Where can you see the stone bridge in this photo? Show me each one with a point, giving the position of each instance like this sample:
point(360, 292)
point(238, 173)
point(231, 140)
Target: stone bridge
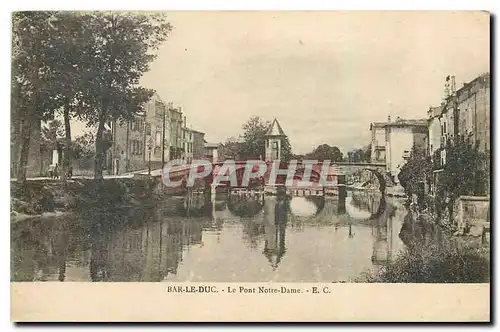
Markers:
point(336, 174)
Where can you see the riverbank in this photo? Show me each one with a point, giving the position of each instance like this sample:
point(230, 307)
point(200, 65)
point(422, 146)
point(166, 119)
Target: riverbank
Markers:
point(434, 254)
point(46, 198)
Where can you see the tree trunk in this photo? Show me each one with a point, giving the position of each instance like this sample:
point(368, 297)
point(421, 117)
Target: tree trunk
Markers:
point(99, 150)
point(25, 138)
point(41, 162)
point(68, 151)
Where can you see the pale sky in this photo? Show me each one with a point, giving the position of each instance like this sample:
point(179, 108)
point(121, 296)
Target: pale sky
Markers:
point(324, 75)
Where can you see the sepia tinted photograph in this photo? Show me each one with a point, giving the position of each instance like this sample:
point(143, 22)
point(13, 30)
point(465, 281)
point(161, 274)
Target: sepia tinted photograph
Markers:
point(250, 147)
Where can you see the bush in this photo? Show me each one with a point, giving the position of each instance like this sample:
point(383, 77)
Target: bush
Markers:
point(436, 264)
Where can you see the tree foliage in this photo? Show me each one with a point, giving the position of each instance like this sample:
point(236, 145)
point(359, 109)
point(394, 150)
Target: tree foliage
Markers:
point(253, 139)
point(33, 96)
point(415, 171)
point(325, 152)
point(86, 64)
point(120, 53)
point(84, 146)
point(360, 155)
point(51, 134)
point(232, 149)
point(465, 172)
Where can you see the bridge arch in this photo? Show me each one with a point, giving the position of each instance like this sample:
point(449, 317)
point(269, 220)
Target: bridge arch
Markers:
point(380, 177)
point(378, 170)
point(382, 206)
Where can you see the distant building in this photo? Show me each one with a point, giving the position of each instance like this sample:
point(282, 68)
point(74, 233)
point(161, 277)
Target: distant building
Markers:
point(194, 144)
point(473, 101)
point(198, 144)
point(274, 141)
point(393, 141)
point(401, 137)
point(435, 139)
point(214, 151)
point(176, 129)
point(378, 142)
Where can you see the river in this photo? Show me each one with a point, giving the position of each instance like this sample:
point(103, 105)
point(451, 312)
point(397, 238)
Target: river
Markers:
point(233, 239)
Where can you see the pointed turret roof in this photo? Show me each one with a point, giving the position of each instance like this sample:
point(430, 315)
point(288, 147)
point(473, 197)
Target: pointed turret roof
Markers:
point(275, 129)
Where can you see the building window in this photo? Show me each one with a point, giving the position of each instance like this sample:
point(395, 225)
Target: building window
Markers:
point(159, 110)
point(148, 128)
point(158, 135)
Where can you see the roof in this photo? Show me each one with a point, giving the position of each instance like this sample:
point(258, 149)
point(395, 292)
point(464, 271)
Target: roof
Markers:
point(213, 145)
point(408, 122)
point(377, 125)
point(275, 129)
point(400, 123)
point(193, 130)
point(435, 111)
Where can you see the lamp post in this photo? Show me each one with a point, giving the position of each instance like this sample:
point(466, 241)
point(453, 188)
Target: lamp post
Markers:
point(163, 139)
point(149, 162)
point(150, 147)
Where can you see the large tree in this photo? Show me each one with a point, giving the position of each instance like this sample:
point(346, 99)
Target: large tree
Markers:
point(119, 54)
point(32, 82)
point(253, 139)
point(415, 172)
point(72, 39)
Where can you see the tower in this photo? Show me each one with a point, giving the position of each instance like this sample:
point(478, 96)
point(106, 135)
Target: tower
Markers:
point(274, 141)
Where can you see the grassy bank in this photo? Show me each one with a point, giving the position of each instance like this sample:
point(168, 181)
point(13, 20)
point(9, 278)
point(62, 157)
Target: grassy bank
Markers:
point(434, 255)
point(49, 197)
point(432, 264)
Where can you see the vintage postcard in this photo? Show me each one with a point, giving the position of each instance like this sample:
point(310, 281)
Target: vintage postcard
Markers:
point(229, 166)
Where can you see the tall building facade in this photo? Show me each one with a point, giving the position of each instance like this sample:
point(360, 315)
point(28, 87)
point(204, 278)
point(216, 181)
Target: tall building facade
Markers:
point(464, 112)
point(142, 140)
point(176, 129)
point(473, 101)
point(377, 142)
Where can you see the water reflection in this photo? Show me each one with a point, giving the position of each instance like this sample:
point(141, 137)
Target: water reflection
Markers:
point(225, 238)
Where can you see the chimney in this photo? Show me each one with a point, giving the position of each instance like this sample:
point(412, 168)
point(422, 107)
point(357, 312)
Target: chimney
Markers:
point(389, 118)
point(453, 86)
